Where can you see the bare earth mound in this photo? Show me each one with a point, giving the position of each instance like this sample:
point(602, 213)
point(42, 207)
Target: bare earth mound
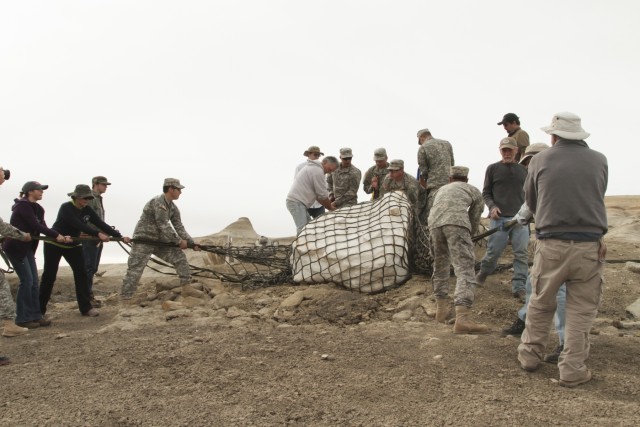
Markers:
point(312, 355)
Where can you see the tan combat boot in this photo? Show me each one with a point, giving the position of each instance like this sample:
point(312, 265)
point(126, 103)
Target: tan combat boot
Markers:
point(11, 329)
point(464, 325)
point(442, 310)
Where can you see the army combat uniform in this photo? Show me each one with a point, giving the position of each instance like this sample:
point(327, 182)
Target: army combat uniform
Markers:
point(409, 185)
point(155, 224)
point(451, 227)
point(343, 185)
point(380, 173)
point(7, 306)
point(435, 157)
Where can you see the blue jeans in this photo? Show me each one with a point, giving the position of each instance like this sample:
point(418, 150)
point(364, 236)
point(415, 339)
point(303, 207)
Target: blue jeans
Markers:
point(559, 317)
point(92, 252)
point(498, 242)
point(27, 300)
point(299, 213)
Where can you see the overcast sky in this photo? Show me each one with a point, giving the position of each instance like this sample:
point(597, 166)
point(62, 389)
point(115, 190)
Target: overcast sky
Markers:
point(227, 95)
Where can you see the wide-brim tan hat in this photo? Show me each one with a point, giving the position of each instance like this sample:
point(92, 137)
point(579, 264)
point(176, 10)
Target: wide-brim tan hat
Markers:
point(312, 149)
point(566, 125)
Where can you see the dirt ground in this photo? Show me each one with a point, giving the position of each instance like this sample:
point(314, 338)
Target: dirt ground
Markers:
point(315, 355)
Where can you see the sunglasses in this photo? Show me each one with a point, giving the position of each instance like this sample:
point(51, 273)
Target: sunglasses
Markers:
point(346, 158)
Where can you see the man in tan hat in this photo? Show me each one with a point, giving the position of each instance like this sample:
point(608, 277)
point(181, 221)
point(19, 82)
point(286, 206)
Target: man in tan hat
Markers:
point(435, 157)
point(565, 190)
point(93, 250)
point(454, 218)
point(504, 196)
point(7, 306)
point(159, 232)
point(511, 124)
point(312, 154)
point(344, 182)
point(374, 176)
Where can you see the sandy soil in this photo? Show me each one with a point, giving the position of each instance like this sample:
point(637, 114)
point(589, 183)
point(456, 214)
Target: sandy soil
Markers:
point(314, 355)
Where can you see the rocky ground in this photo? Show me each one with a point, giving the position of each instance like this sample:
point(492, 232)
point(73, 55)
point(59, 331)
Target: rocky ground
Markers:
point(215, 354)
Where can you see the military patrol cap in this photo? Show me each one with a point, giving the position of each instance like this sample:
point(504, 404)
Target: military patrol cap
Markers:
point(396, 164)
point(459, 171)
point(172, 182)
point(100, 180)
point(508, 142)
point(509, 118)
point(533, 149)
point(422, 132)
point(82, 191)
point(313, 149)
point(345, 153)
point(380, 154)
point(33, 185)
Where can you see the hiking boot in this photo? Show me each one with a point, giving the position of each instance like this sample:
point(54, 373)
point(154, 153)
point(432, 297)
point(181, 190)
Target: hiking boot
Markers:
point(553, 357)
point(44, 322)
point(481, 277)
point(4, 360)
point(521, 295)
point(465, 326)
point(91, 313)
point(11, 329)
point(572, 384)
point(442, 310)
point(516, 329)
point(29, 325)
point(96, 303)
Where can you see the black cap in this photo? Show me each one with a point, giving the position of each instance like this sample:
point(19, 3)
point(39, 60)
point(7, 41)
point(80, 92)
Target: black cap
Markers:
point(509, 118)
point(33, 185)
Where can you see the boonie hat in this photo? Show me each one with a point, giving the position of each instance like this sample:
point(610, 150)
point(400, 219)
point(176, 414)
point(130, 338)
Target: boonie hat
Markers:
point(100, 180)
point(533, 149)
point(566, 125)
point(33, 185)
point(422, 132)
point(396, 164)
point(312, 149)
point(172, 182)
point(82, 191)
point(345, 153)
point(508, 118)
point(459, 171)
point(380, 154)
point(508, 142)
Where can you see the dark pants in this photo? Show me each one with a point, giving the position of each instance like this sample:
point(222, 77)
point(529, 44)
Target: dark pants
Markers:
point(92, 252)
point(316, 212)
point(75, 259)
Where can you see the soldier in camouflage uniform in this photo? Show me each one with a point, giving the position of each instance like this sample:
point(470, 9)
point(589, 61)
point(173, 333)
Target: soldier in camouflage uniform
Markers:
point(435, 157)
point(397, 179)
point(155, 225)
point(344, 182)
point(375, 174)
point(7, 306)
point(454, 218)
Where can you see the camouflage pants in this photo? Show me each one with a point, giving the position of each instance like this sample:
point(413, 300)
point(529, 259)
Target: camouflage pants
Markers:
point(452, 245)
point(7, 306)
point(139, 257)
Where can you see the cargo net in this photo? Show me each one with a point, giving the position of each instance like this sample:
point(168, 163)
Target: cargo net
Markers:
point(368, 247)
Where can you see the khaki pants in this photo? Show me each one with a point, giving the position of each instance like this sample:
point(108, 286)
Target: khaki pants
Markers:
point(556, 262)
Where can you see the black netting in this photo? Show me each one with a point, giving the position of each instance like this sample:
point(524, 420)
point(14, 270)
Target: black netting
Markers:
point(369, 247)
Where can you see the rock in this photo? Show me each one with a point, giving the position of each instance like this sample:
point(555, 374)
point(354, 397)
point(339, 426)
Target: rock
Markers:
point(437, 357)
point(190, 291)
point(60, 336)
point(223, 300)
point(403, 315)
point(236, 312)
point(409, 303)
point(172, 305)
point(191, 302)
point(634, 267)
point(216, 288)
point(325, 357)
point(293, 300)
point(609, 330)
point(265, 312)
point(634, 309)
point(177, 314)
point(166, 285)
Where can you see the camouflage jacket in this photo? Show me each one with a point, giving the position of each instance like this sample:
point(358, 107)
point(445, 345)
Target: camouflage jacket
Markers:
point(457, 203)
point(97, 206)
point(156, 221)
point(409, 185)
point(435, 157)
point(368, 177)
point(8, 230)
point(343, 185)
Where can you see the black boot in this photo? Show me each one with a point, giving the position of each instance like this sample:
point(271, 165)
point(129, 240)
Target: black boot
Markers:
point(516, 329)
point(553, 357)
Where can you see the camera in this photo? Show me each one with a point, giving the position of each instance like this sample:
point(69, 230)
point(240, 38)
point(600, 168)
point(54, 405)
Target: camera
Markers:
point(7, 174)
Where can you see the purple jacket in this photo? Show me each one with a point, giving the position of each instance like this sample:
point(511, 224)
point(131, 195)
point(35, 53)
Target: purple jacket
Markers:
point(28, 217)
